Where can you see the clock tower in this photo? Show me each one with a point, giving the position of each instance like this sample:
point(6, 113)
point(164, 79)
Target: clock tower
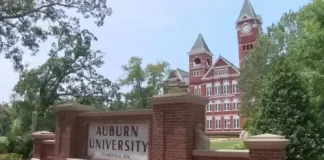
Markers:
point(248, 27)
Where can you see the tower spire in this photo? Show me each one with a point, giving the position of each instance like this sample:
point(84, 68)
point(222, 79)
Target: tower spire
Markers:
point(200, 46)
point(247, 12)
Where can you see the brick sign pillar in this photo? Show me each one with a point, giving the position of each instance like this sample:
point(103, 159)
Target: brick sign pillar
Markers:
point(267, 147)
point(175, 116)
point(38, 138)
point(69, 131)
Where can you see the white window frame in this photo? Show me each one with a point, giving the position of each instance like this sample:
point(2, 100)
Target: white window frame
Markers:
point(209, 107)
point(196, 90)
point(209, 89)
point(215, 72)
point(217, 89)
point(225, 87)
point(199, 90)
point(218, 106)
point(209, 122)
point(226, 105)
point(236, 122)
point(227, 121)
point(235, 88)
point(196, 73)
point(221, 72)
point(236, 104)
point(217, 124)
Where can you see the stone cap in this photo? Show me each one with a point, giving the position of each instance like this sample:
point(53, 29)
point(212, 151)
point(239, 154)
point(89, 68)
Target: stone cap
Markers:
point(49, 141)
point(180, 97)
point(117, 113)
point(266, 141)
point(73, 107)
point(43, 135)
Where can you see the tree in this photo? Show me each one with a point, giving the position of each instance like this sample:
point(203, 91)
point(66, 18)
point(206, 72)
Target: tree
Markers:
point(21, 127)
point(308, 52)
point(253, 75)
point(156, 74)
point(135, 77)
point(119, 103)
point(25, 22)
point(4, 119)
point(285, 110)
point(145, 82)
point(70, 72)
point(273, 43)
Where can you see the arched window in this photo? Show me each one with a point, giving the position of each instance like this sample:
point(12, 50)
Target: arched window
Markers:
point(197, 61)
point(208, 62)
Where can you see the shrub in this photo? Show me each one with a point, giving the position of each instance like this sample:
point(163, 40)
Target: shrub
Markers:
point(3, 145)
point(20, 144)
point(285, 110)
point(20, 141)
point(10, 156)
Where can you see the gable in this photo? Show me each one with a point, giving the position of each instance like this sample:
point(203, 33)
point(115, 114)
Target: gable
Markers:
point(221, 64)
point(231, 70)
point(183, 73)
point(172, 75)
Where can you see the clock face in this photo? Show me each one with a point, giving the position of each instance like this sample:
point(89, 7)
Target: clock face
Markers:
point(246, 28)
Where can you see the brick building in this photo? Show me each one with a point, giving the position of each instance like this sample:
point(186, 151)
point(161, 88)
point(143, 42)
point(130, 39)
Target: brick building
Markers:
point(219, 80)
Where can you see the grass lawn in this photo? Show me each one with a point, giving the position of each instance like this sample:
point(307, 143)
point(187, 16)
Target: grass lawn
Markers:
point(224, 144)
point(3, 139)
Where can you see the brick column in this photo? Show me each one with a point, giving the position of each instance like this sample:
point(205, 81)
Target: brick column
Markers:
point(69, 133)
point(267, 147)
point(38, 138)
point(175, 116)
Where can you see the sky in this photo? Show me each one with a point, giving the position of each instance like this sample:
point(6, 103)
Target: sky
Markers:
point(161, 30)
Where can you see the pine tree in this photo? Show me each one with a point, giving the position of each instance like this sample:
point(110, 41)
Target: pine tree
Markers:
point(285, 110)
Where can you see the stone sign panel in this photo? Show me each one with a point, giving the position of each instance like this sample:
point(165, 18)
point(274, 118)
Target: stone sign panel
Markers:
point(118, 141)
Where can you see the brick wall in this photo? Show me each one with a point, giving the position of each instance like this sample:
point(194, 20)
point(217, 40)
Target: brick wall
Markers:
point(172, 132)
point(261, 147)
point(48, 150)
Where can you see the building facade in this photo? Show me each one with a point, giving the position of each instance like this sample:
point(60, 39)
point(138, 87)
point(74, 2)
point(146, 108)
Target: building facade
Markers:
point(177, 78)
point(218, 80)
